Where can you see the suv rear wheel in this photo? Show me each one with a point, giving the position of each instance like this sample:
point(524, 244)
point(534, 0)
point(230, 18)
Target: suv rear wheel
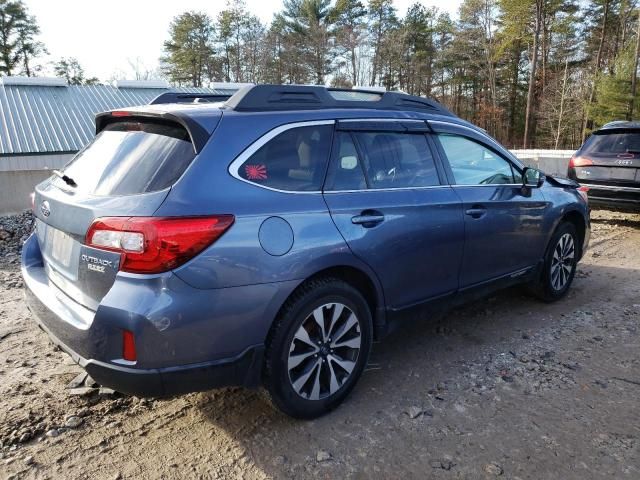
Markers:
point(318, 348)
point(559, 264)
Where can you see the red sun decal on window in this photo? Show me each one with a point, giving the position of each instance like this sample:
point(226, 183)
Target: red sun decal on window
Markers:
point(256, 172)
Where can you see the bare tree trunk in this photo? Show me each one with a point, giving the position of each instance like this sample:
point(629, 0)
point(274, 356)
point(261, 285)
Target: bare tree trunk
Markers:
point(513, 94)
point(562, 98)
point(532, 73)
point(603, 33)
point(354, 66)
point(634, 74)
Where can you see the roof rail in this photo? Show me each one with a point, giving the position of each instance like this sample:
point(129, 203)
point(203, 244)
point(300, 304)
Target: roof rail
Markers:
point(310, 97)
point(178, 97)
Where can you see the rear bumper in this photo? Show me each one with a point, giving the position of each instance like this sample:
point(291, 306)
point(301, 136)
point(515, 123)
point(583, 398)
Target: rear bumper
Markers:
point(242, 370)
point(186, 339)
point(613, 197)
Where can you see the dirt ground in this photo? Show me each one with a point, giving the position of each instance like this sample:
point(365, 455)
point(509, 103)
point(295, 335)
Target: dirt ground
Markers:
point(507, 387)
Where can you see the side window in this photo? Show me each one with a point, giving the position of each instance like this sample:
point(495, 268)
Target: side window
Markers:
point(474, 164)
point(346, 171)
point(295, 160)
point(397, 160)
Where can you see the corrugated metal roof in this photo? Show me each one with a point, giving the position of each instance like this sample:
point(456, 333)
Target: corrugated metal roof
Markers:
point(40, 119)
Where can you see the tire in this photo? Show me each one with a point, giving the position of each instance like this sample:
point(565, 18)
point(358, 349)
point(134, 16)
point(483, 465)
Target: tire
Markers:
point(555, 280)
point(306, 381)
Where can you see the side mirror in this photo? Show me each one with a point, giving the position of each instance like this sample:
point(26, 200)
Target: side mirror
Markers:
point(532, 178)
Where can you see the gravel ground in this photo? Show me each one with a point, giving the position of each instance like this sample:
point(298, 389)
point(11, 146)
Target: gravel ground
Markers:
point(506, 387)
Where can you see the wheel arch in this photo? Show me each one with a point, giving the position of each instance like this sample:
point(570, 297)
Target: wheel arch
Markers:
point(365, 282)
point(576, 218)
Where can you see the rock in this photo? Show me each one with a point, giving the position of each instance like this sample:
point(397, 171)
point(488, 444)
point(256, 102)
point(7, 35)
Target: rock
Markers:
point(106, 392)
point(52, 433)
point(73, 421)
point(323, 456)
point(90, 382)
point(414, 412)
point(442, 464)
point(29, 460)
point(493, 468)
point(77, 381)
point(279, 460)
point(82, 391)
point(25, 437)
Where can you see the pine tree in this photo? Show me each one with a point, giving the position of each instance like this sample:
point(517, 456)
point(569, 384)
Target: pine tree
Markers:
point(18, 43)
point(189, 51)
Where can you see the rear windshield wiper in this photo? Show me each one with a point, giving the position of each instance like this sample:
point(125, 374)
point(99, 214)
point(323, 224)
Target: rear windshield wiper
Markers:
point(65, 178)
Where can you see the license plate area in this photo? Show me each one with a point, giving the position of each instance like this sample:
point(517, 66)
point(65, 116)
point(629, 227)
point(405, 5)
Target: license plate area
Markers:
point(60, 247)
point(606, 173)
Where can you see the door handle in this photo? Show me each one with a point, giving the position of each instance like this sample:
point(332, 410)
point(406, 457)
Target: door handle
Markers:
point(476, 212)
point(367, 220)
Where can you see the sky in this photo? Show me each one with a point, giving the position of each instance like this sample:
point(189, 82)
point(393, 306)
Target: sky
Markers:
point(107, 37)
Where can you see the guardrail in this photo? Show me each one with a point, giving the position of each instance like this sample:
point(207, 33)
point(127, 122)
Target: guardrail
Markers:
point(553, 162)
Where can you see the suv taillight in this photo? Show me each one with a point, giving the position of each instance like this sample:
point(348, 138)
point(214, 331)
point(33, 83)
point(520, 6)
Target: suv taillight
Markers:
point(156, 244)
point(577, 161)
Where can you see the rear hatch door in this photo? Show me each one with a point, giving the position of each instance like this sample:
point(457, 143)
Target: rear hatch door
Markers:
point(127, 170)
point(615, 154)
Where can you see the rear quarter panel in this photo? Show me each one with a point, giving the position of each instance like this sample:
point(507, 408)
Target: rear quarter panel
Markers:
point(239, 257)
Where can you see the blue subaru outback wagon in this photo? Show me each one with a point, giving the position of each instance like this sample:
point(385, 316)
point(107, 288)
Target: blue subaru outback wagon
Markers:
point(268, 239)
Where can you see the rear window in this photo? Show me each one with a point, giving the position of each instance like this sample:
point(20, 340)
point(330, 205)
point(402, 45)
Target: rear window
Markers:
point(620, 142)
point(295, 160)
point(131, 157)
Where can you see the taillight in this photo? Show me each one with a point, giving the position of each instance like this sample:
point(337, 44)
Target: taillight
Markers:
point(156, 244)
point(577, 161)
point(582, 190)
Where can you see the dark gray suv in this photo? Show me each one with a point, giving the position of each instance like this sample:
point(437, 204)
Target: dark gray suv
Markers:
point(608, 166)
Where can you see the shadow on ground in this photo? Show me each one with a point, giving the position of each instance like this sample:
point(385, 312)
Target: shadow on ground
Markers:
point(449, 368)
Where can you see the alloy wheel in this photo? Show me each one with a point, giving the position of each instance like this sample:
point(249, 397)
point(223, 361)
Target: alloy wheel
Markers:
point(324, 351)
point(562, 261)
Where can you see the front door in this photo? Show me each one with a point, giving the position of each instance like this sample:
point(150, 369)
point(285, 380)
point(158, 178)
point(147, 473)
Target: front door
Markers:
point(503, 222)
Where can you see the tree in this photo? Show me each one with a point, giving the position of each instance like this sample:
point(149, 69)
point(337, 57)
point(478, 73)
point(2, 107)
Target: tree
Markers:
point(349, 17)
point(419, 49)
point(614, 92)
point(190, 49)
point(239, 36)
point(310, 23)
point(18, 43)
point(634, 72)
point(71, 70)
point(382, 20)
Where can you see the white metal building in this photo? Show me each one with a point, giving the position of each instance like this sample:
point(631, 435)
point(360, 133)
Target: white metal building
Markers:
point(45, 121)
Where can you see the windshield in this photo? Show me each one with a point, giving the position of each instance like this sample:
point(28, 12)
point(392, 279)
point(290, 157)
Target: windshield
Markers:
point(614, 143)
point(130, 157)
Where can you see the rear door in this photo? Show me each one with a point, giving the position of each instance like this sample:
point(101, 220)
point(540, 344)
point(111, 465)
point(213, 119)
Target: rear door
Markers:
point(503, 224)
point(610, 157)
point(127, 170)
point(386, 195)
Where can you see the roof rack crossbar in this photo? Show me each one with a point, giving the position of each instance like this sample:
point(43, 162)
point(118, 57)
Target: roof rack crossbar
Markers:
point(178, 97)
point(309, 97)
